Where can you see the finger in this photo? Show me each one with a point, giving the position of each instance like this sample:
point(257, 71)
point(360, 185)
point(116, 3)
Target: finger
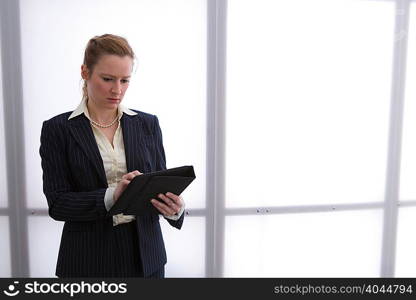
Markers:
point(173, 196)
point(170, 203)
point(177, 199)
point(159, 207)
point(129, 176)
point(164, 209)
point(125, 182)
point(122, 185)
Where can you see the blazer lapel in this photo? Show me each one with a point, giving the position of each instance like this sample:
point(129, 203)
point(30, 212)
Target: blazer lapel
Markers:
point(82, 132)
point(133, 143)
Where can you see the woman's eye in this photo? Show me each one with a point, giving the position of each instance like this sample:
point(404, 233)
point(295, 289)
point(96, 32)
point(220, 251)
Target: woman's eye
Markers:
point(106, 79)
point(125, 81)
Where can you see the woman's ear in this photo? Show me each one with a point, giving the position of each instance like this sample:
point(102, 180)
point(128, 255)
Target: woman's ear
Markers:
point(84, 72)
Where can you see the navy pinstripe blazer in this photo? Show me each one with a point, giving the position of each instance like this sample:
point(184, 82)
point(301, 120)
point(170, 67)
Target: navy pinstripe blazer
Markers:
point(74, 183)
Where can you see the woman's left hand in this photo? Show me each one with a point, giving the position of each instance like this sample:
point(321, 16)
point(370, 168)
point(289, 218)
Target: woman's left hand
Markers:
point(173, 204)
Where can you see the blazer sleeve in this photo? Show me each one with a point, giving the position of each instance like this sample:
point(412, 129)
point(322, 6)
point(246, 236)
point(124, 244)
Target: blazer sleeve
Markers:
point(161, 165)
point(65, 204)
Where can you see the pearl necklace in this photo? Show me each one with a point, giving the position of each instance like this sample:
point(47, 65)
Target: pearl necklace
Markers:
point(104, 126)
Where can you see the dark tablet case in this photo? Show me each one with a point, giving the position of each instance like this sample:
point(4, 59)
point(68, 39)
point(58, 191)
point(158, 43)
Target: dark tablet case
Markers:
point(135, 200)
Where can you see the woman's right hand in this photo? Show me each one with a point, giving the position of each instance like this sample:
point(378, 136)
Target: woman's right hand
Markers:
point(123, 183)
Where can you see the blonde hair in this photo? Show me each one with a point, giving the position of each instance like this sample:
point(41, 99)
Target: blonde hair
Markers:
point(102, 45)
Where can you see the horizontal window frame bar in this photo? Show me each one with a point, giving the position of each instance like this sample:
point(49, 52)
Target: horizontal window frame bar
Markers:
point(263, 210)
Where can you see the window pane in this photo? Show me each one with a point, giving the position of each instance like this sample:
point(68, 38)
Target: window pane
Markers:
point(3, 169)
point(185, 248)
point(408, 160)
point(44, 238)
point(5, 268)
point(336, 244)
point(44, 230)
point(308, 95)
point(169, 39)
point(406, 243)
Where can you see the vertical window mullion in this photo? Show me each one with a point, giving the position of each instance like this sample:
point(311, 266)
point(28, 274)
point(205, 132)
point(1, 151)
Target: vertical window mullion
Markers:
point(395, 140)
point(215, 136)
point(14, 138)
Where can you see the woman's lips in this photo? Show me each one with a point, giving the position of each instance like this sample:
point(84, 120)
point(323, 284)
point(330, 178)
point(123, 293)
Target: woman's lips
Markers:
point(113, 99)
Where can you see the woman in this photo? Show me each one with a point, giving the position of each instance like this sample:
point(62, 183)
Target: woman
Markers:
point(89, 156)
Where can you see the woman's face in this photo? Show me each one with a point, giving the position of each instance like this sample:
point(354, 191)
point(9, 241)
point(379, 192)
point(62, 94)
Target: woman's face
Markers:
point(109, 80)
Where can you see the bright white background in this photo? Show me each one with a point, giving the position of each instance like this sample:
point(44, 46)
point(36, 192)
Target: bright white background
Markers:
point(308, 94)
point(406, 243)
point(340, 244)
point(408, 166)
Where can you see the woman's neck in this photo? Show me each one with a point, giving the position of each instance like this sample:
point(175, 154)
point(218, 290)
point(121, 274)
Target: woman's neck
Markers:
point(102, 116)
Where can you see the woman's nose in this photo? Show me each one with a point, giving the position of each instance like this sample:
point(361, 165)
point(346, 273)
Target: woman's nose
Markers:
point(116, 88)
